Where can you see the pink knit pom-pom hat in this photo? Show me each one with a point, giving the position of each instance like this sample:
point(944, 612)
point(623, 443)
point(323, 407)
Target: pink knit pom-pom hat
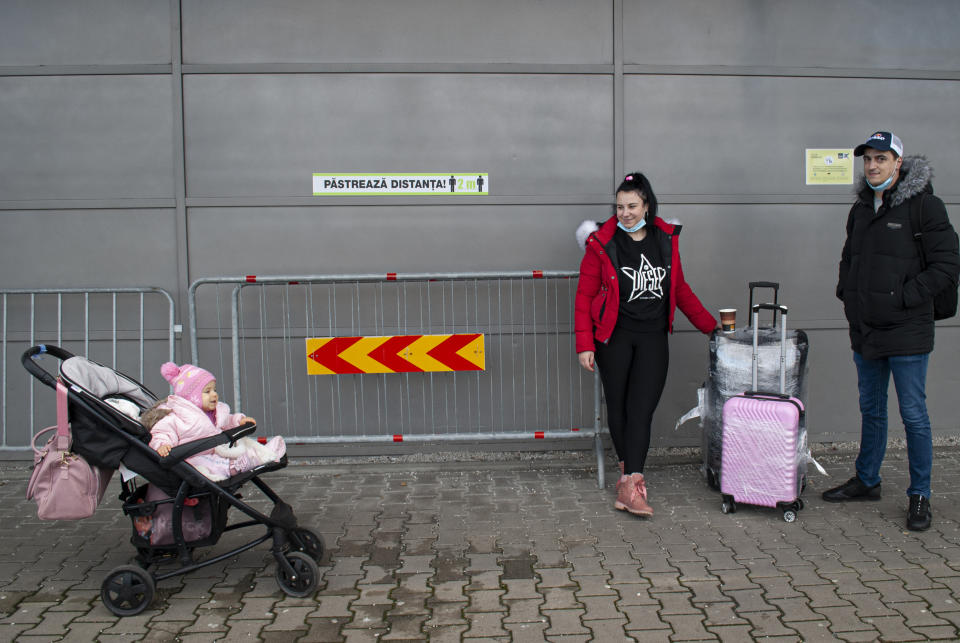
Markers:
point(187, 381)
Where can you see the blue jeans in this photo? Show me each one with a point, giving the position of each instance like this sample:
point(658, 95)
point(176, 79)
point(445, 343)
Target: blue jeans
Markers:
point(909, 379)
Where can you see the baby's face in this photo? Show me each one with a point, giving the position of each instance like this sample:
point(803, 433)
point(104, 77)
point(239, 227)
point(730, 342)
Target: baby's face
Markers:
point(209, 396)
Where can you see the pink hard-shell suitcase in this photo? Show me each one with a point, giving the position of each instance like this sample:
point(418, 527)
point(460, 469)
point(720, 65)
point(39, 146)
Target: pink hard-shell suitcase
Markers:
point(761, 455)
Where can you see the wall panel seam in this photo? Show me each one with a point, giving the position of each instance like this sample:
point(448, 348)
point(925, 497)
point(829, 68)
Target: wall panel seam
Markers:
point(86, 70)
point(790, 72)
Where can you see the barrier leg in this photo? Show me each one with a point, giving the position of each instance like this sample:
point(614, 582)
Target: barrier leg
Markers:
point(597, 442)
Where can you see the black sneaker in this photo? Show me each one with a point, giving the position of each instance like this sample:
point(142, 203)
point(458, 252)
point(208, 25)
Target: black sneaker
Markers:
point(852, 489)
point(920, 513)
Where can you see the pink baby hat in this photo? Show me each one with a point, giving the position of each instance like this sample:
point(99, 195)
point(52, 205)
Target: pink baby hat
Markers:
point(187, 381)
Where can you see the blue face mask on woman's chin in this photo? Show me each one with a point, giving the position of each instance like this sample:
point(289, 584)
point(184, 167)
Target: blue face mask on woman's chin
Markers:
point(639, 225)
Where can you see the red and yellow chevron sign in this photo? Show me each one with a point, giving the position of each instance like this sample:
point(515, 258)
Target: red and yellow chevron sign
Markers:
point(395, 354)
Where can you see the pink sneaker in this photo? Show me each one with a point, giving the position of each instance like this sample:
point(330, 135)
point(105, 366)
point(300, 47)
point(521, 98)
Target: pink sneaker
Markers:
point(620, 479)
point(632, 496)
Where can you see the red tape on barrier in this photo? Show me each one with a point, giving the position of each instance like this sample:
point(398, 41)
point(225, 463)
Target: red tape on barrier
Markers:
point(538, 435)
point(398, 438)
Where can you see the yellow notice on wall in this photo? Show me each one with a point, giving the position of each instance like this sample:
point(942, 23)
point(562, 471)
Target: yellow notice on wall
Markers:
point(829, 166)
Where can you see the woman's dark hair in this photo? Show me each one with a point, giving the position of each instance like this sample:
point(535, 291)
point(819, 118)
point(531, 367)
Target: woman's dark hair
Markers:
point(637, 182)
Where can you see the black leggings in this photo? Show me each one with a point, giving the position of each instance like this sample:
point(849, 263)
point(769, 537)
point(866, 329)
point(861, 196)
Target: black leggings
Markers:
point(633, 369)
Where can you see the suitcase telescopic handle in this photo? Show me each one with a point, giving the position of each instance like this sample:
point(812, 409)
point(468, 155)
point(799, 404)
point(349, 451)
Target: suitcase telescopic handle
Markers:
point(768, 306)
point(755, 312)
point(772, 285)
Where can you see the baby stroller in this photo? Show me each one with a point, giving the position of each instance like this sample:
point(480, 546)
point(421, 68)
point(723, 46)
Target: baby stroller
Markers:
point(177, 509)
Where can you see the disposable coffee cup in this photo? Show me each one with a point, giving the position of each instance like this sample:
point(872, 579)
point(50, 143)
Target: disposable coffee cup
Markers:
point(728, 319)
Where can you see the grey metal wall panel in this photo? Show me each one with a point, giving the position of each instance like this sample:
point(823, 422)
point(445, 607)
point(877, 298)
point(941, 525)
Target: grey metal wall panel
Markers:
point(870, 34)
point(724, 247)
point(351, 240)
point(256, 135)
point(833, 413)
point(109, 248)
point(84, 32)
point(86, 137)
point(943, 382)
point(509, 31)
point(719, 101)
point(723, 135)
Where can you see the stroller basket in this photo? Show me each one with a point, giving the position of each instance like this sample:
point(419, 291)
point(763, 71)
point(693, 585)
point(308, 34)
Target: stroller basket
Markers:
point(177, 509)
point(202, 520)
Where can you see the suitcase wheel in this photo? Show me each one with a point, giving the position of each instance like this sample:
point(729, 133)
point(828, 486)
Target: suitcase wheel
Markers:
point(728, 506)
point(790, 509)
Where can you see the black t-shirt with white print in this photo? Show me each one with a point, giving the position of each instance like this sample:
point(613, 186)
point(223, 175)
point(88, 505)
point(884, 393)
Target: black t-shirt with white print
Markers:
point(643, 283)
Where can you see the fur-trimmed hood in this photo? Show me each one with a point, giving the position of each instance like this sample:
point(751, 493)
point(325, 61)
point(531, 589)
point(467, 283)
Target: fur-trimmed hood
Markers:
point(916, 175)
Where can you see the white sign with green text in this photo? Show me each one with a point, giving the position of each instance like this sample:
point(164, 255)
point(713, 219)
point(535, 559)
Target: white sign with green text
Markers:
point(419, 184)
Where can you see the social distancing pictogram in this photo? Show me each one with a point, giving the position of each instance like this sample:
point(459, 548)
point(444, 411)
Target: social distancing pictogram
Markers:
point(395, 354)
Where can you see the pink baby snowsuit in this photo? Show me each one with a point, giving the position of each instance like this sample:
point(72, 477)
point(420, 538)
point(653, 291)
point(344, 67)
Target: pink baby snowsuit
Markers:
point(187, 422)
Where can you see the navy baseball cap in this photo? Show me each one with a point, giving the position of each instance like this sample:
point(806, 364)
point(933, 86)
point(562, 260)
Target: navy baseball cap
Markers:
point(883, 141)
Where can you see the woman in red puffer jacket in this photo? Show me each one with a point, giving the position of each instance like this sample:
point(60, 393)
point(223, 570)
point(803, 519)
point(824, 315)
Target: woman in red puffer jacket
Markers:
point(631, 283)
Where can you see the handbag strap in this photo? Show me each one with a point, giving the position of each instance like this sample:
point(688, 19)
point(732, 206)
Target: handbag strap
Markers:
point(63, 426)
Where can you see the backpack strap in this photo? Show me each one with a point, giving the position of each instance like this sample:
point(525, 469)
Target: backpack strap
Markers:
point(916, 216)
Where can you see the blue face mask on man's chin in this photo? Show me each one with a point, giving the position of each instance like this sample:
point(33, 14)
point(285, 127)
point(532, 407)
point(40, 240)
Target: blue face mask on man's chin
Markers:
point(883, 186)
point(639, 225)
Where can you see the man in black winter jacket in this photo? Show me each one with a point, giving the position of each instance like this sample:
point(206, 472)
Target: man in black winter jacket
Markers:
point(887, 293)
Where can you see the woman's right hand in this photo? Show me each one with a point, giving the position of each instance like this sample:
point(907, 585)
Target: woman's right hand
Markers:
point(586, 360)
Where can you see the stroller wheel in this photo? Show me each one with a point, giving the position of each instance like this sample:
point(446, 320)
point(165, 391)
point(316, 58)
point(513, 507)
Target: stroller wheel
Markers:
point(308, 542)
point(305, 577)
point(127, 590)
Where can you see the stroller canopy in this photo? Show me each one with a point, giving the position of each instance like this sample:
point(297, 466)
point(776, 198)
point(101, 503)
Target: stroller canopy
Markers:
point(102, 381)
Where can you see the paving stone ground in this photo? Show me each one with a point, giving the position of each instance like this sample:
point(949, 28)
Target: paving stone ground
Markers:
point(515, 551)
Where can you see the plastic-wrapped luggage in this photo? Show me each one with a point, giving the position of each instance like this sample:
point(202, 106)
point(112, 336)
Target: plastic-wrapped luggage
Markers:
point(764, 452)
point(731, 358)
point(729, 374)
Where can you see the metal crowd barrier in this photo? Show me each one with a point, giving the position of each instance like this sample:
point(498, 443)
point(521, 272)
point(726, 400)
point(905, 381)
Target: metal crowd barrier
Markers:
point(124, 328)
point(531, 388)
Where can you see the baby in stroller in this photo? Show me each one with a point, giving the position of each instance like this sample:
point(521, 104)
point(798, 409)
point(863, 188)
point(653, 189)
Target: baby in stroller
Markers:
point(194, 412)
point(104, 406)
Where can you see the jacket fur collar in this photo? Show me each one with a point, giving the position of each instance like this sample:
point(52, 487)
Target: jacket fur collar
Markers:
point(915, 177)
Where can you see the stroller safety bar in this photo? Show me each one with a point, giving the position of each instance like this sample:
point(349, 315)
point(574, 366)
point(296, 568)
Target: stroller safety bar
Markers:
point(230, 436)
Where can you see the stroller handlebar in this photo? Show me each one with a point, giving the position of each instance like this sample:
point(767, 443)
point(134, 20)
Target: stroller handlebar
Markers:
point(29, 361)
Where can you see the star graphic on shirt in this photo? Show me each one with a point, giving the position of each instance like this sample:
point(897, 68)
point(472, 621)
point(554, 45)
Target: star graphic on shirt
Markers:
point(647, 280)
